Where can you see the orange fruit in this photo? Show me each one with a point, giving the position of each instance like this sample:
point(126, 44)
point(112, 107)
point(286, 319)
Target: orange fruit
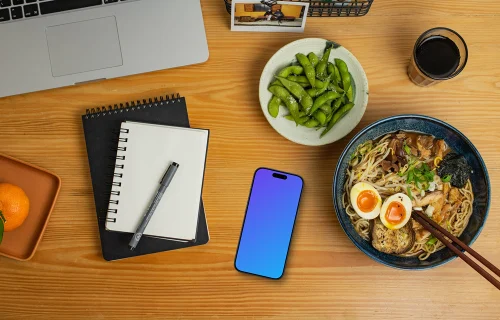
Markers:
point(14, 204)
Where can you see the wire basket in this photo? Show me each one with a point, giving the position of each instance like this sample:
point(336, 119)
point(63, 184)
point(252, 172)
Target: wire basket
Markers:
point(331, 8)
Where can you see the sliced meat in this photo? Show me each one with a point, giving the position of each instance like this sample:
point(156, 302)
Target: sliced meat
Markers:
point(425, 141)
point(389, 166)
point(439, 148)
point(421, 234)
point(414, 151)
point(424, 145)
point(454, 195)
point(395, 144)
point(446, 189)
point(438, 214)
point(401, 135)
point(392, 241)
point(446, 208)
point(426, 200)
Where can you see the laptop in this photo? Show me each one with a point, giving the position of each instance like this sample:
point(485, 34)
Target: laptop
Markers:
point(54, 43)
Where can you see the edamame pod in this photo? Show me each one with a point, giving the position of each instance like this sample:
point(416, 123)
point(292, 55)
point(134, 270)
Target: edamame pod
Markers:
point(326, 108)
point(330, 95)
point(322, 64)
point(296, 89)
point(298, 70)
point(330, 68)
point(308, 68)
point(337, 116)
point(274, 106)
point(313, 59)
point(287, 99)
point(311, 123)
point(298, 79)
point(320, 116)
point(344, 74)
point(337, 104)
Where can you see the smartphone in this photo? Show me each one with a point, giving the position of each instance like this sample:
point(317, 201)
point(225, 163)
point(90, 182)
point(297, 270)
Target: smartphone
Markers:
point(268, 225)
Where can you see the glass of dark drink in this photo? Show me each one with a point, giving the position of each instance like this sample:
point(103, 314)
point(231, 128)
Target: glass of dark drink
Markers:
point(439, 54)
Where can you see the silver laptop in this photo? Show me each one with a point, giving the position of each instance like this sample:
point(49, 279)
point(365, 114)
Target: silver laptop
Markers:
point(53, 43)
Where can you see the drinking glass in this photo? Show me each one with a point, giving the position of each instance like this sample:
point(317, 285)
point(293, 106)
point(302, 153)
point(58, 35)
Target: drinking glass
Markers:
point(422, 75)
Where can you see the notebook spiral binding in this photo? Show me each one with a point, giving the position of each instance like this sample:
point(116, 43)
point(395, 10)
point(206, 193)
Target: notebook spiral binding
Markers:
point(131, 106)
point(117, 175)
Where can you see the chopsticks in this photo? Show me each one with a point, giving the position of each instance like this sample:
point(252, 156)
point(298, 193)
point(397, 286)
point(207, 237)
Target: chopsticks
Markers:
point(440, 233)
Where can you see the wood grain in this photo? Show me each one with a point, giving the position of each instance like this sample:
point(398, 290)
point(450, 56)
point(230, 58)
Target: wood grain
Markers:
point(326, 276)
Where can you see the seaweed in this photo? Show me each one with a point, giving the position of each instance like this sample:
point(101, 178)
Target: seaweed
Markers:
point(455, 166)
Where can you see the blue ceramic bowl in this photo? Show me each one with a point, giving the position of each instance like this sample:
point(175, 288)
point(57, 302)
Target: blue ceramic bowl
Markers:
point(458, 142)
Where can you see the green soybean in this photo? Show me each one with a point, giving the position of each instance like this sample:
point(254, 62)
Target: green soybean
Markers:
point(337, 104)
point(313, 59)
point(334, 87)
point(287, 99)
point(344, 74)
point(322, 64)
point(296, 89)
point(325, 86)
point(298, 70)
point(312, 92)
point(330, 95)
point(320, 116)
point(337, 116)
point(274, 106)
point(311, 123)
point(326, 107)
point(330, 68)
point(308, 68)
point(298, 79)
point(337, 75)
point(276, 83)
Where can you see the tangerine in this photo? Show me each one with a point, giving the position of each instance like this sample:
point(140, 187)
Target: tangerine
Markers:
point(14, 205)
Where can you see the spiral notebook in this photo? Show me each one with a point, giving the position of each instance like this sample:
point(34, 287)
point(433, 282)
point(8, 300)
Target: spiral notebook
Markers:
point(144, 153)
point(102, 129)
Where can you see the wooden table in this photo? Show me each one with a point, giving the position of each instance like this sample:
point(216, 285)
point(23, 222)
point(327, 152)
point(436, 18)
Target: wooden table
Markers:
point(326, 276)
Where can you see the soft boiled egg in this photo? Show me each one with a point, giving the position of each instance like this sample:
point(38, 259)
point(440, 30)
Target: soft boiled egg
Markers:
point(396, 211)
point(365, 200)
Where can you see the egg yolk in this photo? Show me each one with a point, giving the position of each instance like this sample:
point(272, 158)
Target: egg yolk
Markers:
point(396, 213)
point(367, 200)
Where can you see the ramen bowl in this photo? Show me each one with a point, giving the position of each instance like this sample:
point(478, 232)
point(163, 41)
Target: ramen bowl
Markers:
point(457, 142)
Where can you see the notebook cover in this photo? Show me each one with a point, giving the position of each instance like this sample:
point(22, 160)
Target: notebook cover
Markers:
point(102, 128)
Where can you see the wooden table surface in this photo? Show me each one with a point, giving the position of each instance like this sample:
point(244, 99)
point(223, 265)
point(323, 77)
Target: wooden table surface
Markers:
point(326, 276)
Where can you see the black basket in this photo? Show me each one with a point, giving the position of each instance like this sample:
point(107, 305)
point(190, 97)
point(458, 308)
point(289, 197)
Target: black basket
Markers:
point(331, 8)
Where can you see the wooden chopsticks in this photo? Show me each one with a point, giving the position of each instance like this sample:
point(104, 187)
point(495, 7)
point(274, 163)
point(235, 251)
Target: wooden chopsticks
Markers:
point(440, 233)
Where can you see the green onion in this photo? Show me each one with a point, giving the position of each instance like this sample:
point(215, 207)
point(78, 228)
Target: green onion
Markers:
point(432, 241)
point(409, 193)
point(410, 176)
point(446, 178)
point(429, 176)
point(407, 149)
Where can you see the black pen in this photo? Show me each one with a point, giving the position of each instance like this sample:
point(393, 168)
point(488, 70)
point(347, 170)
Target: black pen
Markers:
point(164, 183)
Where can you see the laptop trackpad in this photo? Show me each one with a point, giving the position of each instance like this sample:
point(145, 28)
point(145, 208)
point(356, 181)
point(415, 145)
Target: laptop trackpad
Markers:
point(84, 46)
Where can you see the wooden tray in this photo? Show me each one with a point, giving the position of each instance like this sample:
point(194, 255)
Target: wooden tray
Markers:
point(42, 189)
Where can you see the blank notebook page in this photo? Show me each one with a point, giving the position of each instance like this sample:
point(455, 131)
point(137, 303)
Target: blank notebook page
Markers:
point(145, 151)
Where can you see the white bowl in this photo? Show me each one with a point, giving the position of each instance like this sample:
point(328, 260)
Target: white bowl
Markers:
point(310, 136)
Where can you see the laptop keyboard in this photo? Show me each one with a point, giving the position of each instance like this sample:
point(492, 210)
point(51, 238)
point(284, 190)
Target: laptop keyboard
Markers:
point(22, 9)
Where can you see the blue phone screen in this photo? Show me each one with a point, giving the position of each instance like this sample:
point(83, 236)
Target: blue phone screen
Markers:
point(269, 220)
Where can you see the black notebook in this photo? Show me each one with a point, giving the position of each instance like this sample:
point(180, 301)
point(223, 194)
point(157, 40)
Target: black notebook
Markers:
point(102, 129)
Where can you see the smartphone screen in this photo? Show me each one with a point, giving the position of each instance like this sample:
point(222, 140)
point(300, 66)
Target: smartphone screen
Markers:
point(268, 224)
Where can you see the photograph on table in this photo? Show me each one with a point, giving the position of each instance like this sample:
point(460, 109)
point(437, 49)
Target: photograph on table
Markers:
point(268, 16)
